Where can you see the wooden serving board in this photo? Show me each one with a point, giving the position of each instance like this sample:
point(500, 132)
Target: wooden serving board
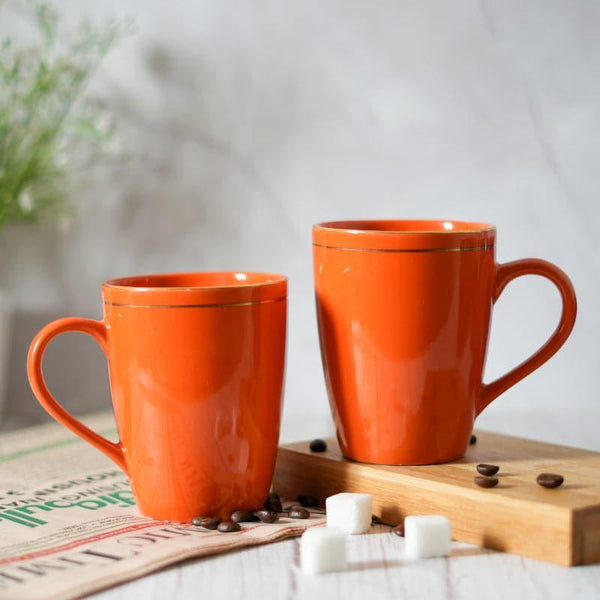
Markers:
point(559, 525)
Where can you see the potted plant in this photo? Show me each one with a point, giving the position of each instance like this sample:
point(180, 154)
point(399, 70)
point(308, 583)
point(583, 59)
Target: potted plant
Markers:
point(50, 128)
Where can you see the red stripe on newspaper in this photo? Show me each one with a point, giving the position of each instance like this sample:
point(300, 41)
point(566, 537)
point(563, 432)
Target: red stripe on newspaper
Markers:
point(116, 532)
point(79, 542)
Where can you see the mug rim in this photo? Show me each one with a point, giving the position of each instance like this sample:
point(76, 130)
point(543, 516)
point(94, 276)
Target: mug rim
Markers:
point(424, 226)
point(195, 289)
point(121, 283)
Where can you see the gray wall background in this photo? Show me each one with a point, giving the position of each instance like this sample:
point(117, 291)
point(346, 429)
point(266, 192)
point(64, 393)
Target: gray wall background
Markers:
point(249, 121)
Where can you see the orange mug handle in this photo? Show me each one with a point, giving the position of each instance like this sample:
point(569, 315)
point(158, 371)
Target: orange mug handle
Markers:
point(97, 329)
point(505, 273)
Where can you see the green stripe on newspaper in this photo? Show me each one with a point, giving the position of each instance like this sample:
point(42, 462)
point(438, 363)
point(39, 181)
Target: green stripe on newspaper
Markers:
point(57, 444)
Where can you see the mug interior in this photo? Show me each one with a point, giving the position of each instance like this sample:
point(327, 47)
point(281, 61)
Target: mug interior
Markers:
point(401, 235)
point(187, 281)
point(407, 226)
point(195, 289)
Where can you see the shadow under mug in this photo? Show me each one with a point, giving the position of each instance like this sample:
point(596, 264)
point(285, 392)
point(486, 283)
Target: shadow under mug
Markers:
point(404, 311)
point(196, 363)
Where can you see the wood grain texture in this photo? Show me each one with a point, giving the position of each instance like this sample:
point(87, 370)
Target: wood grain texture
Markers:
point(518, 516)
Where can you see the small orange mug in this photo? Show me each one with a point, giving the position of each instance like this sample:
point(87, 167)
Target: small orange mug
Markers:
point(404, 310)
point(196, 363)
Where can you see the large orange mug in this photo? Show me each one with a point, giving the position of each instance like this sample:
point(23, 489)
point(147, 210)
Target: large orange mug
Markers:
point(404, 310)
point(196, 363)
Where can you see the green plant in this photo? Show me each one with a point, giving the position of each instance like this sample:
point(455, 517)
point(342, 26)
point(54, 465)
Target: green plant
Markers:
point(47, 122)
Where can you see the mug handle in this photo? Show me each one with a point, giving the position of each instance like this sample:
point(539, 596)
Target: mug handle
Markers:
point(97, 329)
point(505, 273)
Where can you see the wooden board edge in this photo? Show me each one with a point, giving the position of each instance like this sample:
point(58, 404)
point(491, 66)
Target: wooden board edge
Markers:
point(292, 478)
point(586, 537)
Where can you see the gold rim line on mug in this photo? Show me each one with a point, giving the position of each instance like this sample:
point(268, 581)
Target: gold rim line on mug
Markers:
point(219, 305)
point(459, 249)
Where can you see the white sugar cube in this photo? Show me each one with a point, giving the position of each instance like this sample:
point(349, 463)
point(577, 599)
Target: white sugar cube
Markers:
point(427, 536)
point(351, 513)
point(322, 550)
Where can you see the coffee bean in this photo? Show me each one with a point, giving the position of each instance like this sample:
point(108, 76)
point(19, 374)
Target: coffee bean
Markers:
point(228, 526)
point(266, 516)
point(473, 439)
point(273, 503)
point(242, 516)
point(318, 445)
point(313, 509)
point(486, 469)
point(399, 530)
point(375, 520)
point(486, 482)
point(206, 522)
point(297, 512)
point(307, 501)
point(549, 480)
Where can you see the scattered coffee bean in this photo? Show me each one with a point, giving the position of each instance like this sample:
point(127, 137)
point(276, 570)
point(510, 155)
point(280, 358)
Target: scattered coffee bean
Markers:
point(399, 530)
point(208, 522)
point(266, 516)
point(318, 445)
point(297, 512)
point(473, 439)
point(486, 469)
point(486, 482)
point(307, 501)
point(549, 480)
point(228, 526)
point(273, 503)
point(242, 516)
point(313, 509)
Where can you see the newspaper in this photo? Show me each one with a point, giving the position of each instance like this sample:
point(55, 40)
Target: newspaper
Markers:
point(69, 525)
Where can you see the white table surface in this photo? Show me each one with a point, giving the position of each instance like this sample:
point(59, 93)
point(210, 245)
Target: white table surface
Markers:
point(378, 571)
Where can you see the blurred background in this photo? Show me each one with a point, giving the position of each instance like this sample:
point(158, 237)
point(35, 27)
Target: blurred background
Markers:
point(239, 125)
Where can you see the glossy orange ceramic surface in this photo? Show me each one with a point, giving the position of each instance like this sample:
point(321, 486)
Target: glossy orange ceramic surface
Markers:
point(404, 310)
point(196, 366)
